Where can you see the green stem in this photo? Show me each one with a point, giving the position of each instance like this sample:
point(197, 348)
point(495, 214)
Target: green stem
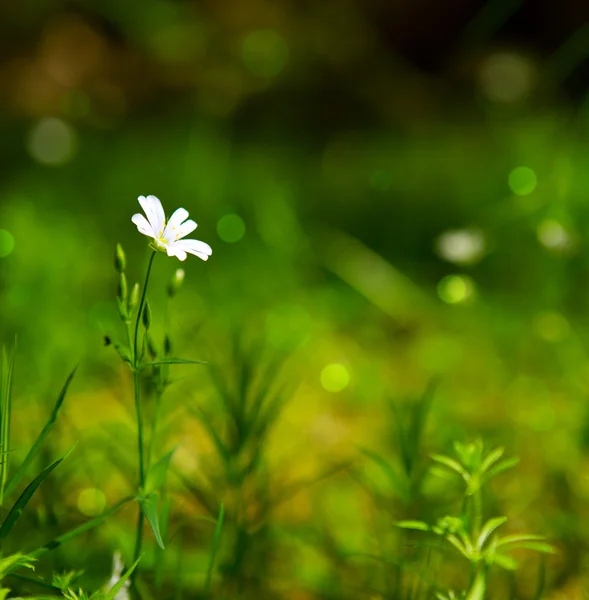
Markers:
point(136, 382)
point(140, 310)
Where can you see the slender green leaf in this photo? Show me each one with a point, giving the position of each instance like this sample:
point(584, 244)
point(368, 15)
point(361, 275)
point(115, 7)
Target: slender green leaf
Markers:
point(173, 361)
point(18, 507)
point(519, 537)
point(159, 553)
point(504, 465)
point(115, 589)
point(156, 474)
point(452, 464)
point(488, 528)
point(5, 415)
point(58, 541)
point(149, 505)
point(35, 448)
point(491, 459)
point(214, 547)
point(506, 562)
point(418, 525)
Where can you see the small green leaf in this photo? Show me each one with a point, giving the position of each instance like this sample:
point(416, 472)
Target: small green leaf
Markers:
point(19, 505)
point(492, 458)
point(507, 562)
point(452, 464)
point(148, 504)
point(417, 525)
point(504, 465)
point(156, 474)
point(488, 528)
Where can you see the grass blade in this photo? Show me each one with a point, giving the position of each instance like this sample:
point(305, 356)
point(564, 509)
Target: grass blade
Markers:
point(20, 472)
point(214, 547)
point(18, 507)
point(5, 415)
point(58, 541)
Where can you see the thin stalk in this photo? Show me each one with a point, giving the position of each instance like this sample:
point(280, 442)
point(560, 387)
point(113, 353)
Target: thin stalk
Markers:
point(136, 370)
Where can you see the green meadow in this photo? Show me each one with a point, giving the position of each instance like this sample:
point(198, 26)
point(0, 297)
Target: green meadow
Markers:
point(375, 388)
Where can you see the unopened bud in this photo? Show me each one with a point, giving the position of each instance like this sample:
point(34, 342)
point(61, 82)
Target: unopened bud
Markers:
point(151, 349)
point(120, 259)
point(167, 346)
point(176, 282)
point(146, 316)
point(134, 298)
point(123, 290)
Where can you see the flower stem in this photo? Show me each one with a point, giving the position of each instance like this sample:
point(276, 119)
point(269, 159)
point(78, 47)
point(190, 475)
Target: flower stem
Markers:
point(136, 383)
point(140, 310)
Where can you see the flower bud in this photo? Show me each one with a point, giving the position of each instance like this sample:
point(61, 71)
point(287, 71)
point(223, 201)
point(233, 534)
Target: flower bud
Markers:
point(123, 290)
point(176, 282)
point(146, 316)
point(167, 345)
point(151, 349)
point(120, 259)
point(134, 298)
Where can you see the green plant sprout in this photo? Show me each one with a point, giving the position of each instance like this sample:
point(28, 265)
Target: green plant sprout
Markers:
point(476, 540)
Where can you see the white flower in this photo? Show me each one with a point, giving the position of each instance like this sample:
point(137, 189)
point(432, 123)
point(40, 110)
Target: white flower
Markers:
point(167, 234)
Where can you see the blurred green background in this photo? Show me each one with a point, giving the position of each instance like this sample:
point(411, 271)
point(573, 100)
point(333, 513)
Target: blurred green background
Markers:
point(394, 193)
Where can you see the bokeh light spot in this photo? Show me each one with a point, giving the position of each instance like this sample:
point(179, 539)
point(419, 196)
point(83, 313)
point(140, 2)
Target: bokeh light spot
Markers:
point(231, 228)
point(264, 53)
point(461, 246)
point(91, 502)
point(551, 326)
point(455, 289)
point(506, 77)
point(52, 142)
point(553, 235)
point(522, 181)
point(335, 377)
point(6, 243)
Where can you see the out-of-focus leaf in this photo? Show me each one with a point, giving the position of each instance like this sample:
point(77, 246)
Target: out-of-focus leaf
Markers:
point(35, 448)
point(156, 474)
point(149, 506)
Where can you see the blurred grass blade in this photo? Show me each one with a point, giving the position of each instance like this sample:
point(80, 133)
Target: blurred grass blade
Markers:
point(148, 504)
point(159, 552)
point(58, 541)
point(5, 415)
point(27, 494)
point(115, 589)
point(214, 547)
point(205, 420)
point(173, 361)
point(397, 484)
point(156, 474)
point(20, 472)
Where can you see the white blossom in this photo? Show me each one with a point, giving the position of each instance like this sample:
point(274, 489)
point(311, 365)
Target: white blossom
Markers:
point(167, 234)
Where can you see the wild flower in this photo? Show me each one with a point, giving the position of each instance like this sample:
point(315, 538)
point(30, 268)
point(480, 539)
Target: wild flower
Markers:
point(167, 235)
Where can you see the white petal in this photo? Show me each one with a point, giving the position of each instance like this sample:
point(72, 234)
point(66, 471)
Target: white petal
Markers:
point(195, 247)
point(173, 250)
point(155, 213)
point(143, 225)
point(184, 229)
point(178, 216)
